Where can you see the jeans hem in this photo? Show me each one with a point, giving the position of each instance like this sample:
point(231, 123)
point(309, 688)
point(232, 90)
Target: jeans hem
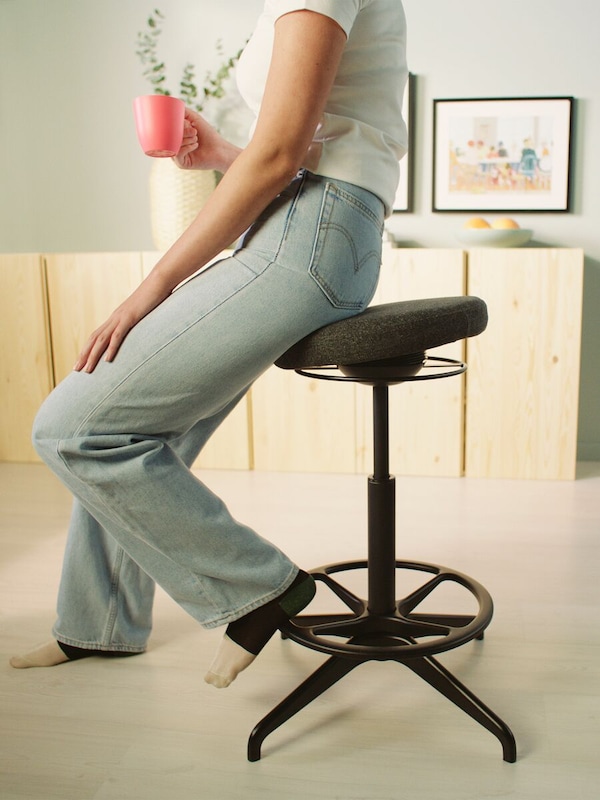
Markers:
point(112, 648)
point(232, 616)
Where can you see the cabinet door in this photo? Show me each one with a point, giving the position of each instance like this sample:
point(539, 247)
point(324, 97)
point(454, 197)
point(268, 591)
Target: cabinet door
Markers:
point(523, 378)
point(302, 424)
point(426, 417)
point(83, 290)
point(25, 363)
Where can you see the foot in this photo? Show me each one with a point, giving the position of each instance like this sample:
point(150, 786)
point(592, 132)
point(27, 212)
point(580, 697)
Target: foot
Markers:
point(230, 660)
point(53, 653)
point(246, 637)
point(46, 655)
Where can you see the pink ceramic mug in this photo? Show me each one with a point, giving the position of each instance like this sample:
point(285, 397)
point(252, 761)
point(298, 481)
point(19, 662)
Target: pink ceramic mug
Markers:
point(159, 124)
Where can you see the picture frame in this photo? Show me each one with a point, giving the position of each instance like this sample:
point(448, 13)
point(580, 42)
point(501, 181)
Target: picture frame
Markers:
point(403, 201)
point(502, 154)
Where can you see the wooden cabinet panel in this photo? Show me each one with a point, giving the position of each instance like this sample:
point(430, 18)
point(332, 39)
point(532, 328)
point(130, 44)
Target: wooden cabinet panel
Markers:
point(523, 380)
point(426, 417)
point(230, 445)
point(25, 363)
point(83, 290)
point(302, 424)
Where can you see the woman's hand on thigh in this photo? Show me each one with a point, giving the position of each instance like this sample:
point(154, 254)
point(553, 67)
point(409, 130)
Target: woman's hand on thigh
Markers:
point(106, 340)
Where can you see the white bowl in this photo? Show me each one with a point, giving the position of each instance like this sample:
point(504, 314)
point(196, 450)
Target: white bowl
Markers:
point(494, 237)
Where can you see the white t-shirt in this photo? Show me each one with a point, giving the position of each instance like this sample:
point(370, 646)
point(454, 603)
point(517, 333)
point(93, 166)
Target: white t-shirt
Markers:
point(362, 132)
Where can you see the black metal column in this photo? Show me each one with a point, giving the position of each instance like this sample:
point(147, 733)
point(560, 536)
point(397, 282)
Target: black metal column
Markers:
point(381, 513)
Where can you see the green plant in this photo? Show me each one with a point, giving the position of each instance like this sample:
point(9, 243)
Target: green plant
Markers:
point(155, 69)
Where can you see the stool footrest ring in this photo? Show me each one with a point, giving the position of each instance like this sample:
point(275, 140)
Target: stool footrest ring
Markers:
point(401, 634)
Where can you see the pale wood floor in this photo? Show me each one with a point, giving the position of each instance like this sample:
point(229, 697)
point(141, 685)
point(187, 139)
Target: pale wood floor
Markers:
point(149, 728)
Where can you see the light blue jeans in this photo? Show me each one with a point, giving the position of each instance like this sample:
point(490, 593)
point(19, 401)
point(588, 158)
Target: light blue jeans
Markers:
point(122, 438)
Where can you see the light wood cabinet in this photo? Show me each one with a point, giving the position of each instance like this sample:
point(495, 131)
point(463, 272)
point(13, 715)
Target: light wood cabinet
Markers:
point(25, 362)
point(83, 290)
point(513, 415)
point(523, 378)
point(303, 424)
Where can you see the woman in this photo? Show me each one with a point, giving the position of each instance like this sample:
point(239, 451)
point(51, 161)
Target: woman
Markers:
point(325, 79)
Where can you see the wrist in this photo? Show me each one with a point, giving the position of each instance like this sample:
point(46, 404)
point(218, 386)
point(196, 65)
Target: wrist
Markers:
point(159, 283)
point(225, 155)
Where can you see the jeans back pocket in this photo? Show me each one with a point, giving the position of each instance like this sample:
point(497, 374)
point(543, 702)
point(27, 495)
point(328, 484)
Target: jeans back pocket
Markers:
point(347, 250)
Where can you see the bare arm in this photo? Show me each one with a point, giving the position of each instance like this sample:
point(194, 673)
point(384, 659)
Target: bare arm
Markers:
point(306, 54)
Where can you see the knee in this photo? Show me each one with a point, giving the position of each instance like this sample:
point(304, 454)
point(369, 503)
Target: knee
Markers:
point(52, 423)
point(45, 430)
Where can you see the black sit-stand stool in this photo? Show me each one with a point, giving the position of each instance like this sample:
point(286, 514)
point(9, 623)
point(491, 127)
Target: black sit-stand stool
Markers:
point(383, 346)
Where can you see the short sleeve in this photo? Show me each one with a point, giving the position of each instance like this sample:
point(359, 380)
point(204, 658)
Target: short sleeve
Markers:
point(344, 12)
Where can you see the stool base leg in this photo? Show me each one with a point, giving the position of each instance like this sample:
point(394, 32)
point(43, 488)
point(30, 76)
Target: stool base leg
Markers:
point(322, 679)
point(447, 684)
point(430, 670)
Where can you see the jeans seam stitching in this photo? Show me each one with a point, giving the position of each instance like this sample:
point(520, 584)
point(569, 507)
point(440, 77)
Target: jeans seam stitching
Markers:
point(357, 203)
point(114, 595)
point(288, 218)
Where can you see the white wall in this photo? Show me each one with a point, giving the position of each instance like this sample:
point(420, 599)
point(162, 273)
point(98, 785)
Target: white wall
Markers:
point(72, 176)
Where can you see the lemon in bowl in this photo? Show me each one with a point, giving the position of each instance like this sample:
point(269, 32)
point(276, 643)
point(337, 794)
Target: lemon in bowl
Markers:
point(502, 232)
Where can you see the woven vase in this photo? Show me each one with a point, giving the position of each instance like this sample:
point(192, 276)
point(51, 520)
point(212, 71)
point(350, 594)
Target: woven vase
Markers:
point(176, 196)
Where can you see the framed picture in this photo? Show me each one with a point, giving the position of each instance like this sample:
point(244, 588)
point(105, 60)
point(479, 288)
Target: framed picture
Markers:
point(502, 154)
point(404, 195)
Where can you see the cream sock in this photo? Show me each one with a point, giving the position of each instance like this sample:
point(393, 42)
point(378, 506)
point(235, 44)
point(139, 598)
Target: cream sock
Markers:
point(46, 655)
point(230, 660)
point(246, 637)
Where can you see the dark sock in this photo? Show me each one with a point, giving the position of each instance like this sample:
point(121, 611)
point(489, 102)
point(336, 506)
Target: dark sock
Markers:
point(75, 653)
point(254, 630)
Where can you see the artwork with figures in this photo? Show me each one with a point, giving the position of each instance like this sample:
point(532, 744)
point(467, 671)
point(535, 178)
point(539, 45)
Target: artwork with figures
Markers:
point(502, 154)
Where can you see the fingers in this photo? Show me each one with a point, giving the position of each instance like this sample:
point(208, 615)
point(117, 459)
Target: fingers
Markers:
point(103, 342)
point(188, 145)
point(114, 344)
point(91, 355)
point(190, 134)
point(106, 340)
point(192, 116)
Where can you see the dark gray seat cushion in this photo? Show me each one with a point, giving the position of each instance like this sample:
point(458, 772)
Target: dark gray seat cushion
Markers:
point(389, 330)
